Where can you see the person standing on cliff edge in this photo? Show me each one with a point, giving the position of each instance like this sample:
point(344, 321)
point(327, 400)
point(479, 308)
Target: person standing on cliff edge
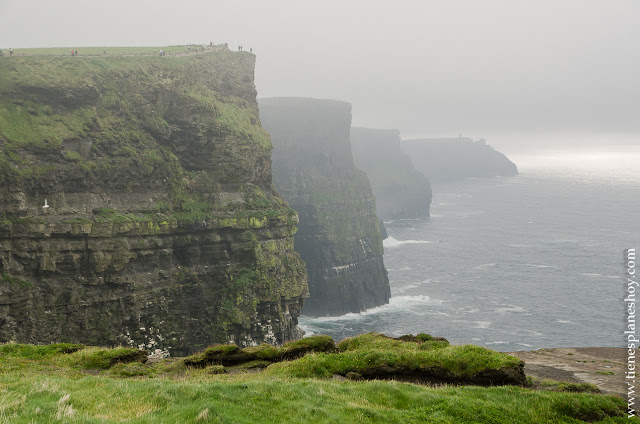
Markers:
point(10, 51)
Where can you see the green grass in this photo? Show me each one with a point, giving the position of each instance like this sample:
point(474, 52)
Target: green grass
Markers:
point(27, 351)
point(42, 384)
point(233, 355)
point(562, 386)
point(370, 353)
point(100, 358)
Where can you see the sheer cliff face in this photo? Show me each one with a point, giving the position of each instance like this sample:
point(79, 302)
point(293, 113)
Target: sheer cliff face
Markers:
point(445, 159)
point(338, 236)
point(162, 228)
point(400, 190)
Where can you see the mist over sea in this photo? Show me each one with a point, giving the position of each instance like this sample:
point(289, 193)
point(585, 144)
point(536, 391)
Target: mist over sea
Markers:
point(514, 263)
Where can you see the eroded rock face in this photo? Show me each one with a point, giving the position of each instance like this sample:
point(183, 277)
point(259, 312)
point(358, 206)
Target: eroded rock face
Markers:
point(447, 159)
point(401, 192)
point(339, 235)
point(163, 229)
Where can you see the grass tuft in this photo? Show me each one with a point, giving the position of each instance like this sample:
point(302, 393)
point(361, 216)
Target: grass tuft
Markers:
point(102, 358)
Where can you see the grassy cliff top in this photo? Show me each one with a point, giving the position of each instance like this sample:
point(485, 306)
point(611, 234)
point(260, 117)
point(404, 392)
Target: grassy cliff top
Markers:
point(110, 50)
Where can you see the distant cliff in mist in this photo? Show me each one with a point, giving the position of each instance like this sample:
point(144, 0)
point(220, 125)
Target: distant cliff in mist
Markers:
point(400, 190)
point(338, 235)
point(446, 159)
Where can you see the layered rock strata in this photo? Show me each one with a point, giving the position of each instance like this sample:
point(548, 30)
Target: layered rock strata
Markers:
point(137, 205)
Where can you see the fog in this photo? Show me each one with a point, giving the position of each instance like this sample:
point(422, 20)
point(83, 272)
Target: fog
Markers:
point(519, 74)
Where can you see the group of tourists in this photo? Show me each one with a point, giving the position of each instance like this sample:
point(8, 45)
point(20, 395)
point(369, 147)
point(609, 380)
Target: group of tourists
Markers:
point(74, 52)
point(10, 52)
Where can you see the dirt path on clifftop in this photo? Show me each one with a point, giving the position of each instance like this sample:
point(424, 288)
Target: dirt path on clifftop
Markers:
point(602, 366)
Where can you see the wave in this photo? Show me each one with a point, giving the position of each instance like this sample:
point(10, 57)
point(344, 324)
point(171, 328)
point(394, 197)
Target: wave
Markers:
point(510, 308)
point(483, 266)
point(403, 289)
point(541, 266)
point(392, 242)
point(396, 303)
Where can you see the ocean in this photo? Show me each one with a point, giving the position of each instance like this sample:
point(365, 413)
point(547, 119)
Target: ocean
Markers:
point(516, 263)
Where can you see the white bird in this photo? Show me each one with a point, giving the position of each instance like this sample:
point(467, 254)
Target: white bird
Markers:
point(45, 204)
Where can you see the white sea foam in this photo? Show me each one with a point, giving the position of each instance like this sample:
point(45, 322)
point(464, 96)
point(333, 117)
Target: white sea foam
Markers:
point(396, 303)
point(307, 330)
point(482, 324)
point(483, 266)
point(405, 288)
point(510, 308)
point(392, 242)
point(541, 266)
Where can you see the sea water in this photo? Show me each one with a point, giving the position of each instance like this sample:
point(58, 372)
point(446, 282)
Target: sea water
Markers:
point(514, 263)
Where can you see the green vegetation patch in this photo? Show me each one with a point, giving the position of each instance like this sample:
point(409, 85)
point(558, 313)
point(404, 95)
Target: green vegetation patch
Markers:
point(131, 369)
point(562, 386)
point(6, 278)
point(102, 358)
point(377, 356)
point(28, 351)
point(229, 355)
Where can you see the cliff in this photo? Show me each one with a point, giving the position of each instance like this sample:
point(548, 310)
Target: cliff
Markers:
point(443, 159)
point(400, 190)
point(338, 236)
point(162, 228)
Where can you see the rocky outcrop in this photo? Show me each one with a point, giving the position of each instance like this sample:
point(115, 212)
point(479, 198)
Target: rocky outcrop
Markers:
point(138, 208)
point(446, 159)
point(400, 190)
point(338, 235)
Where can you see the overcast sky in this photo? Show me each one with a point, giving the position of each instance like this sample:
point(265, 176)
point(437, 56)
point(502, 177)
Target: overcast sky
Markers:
point(479, 67)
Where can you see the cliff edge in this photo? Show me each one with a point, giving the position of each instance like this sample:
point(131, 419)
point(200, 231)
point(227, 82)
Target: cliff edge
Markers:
point(137, 205)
